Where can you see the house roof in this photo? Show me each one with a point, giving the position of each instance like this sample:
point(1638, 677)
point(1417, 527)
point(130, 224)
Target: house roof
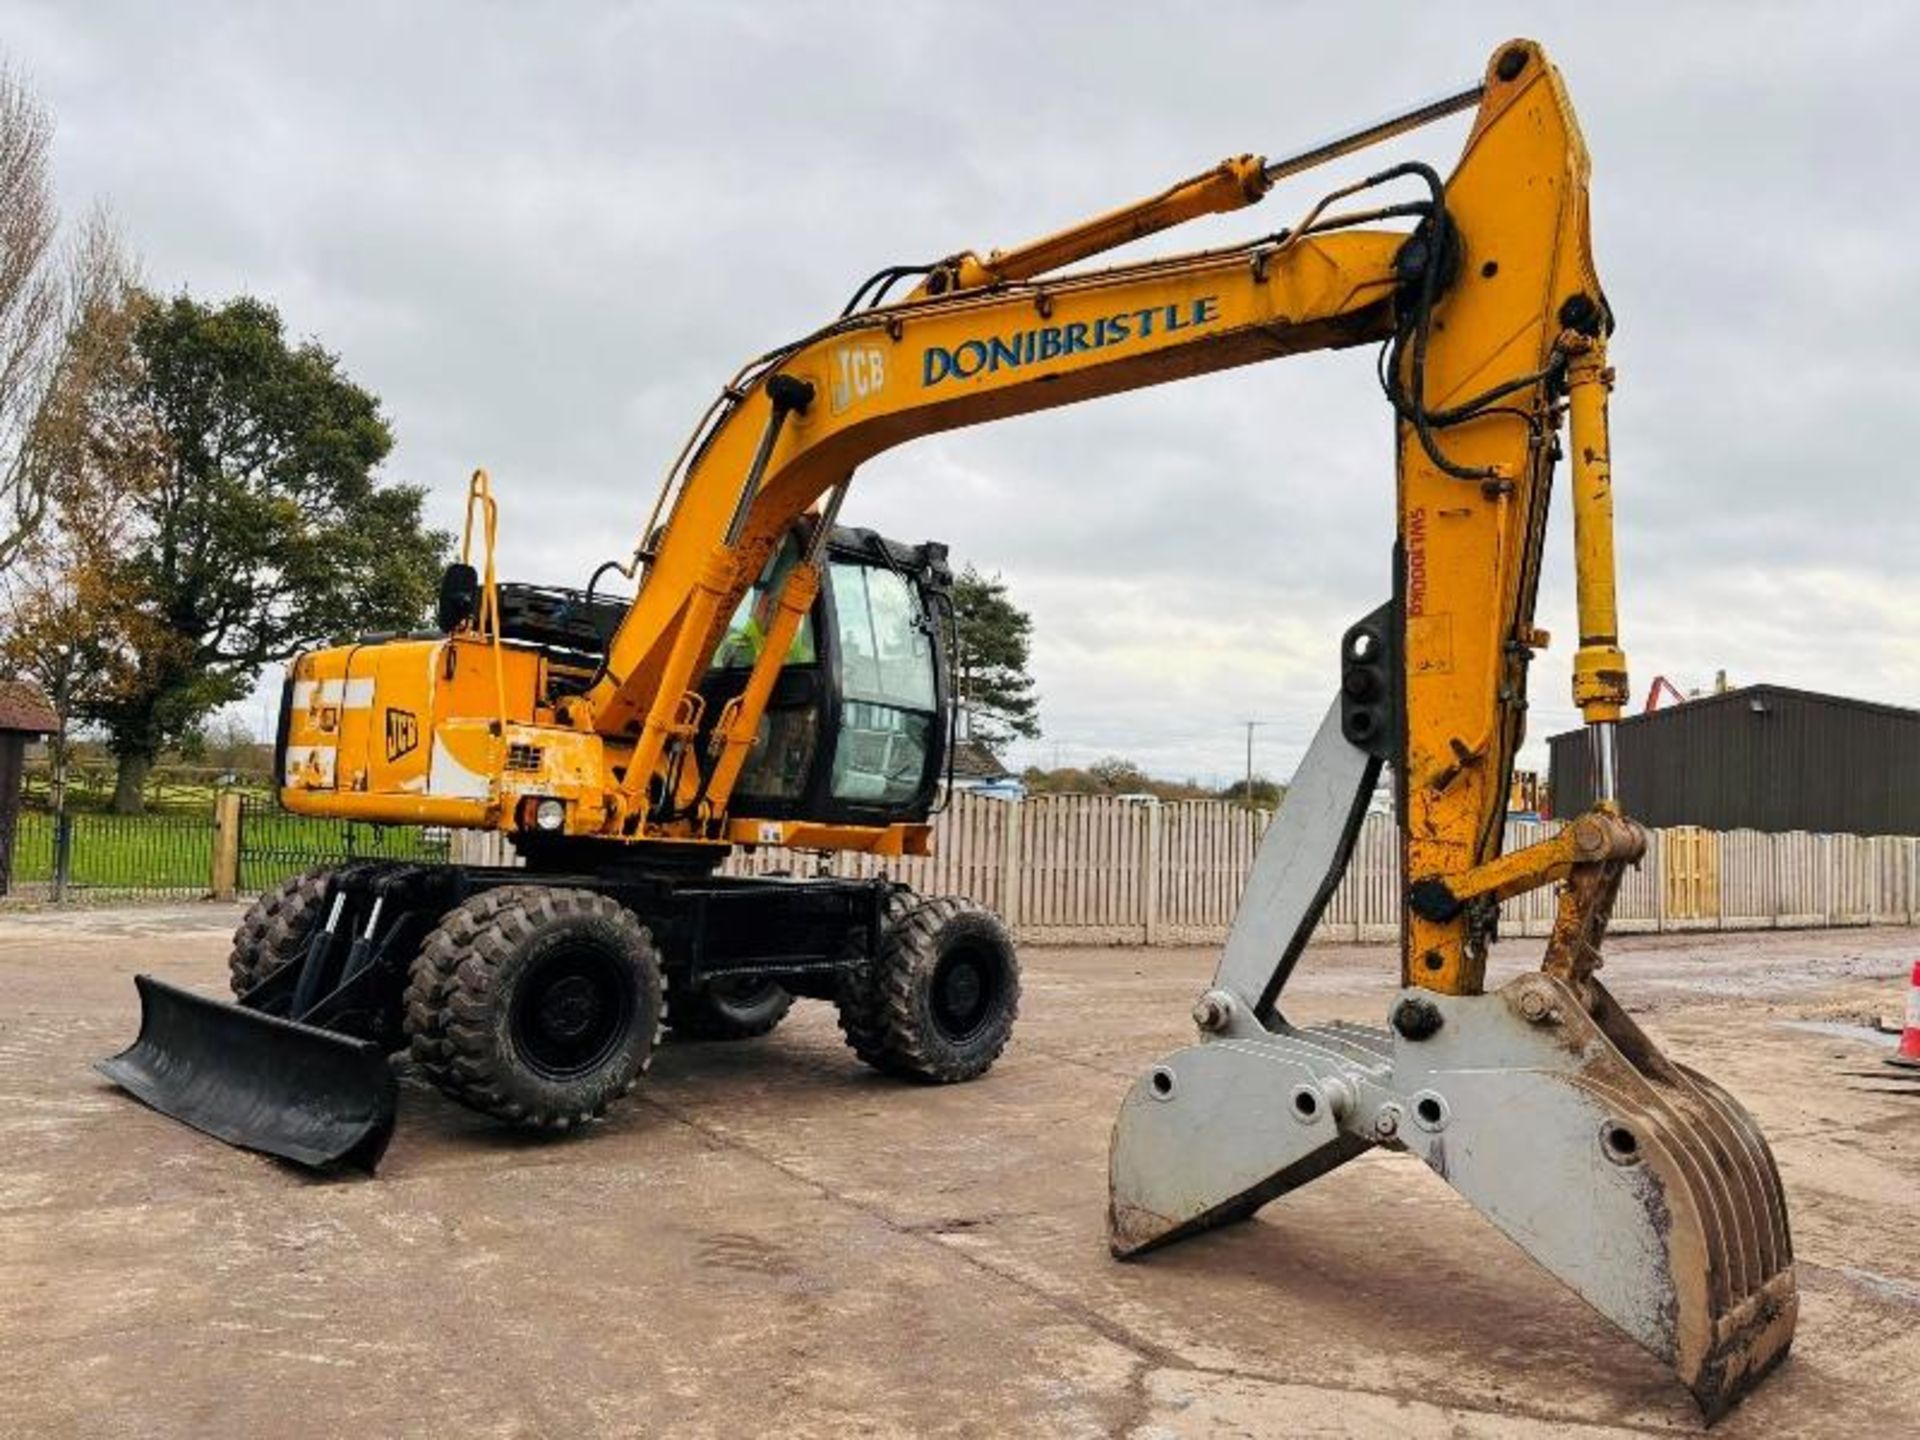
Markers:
point(23, 709)
point(974, 761)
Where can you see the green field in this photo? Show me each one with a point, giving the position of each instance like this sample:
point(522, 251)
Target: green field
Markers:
point(174, 851)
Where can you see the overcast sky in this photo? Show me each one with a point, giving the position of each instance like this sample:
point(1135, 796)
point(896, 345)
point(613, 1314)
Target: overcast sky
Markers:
point(545, 235)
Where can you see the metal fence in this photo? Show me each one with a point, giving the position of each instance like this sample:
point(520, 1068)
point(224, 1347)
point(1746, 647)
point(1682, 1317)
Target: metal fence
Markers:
point(229, 844)
point(80, 855)
point(274, 844)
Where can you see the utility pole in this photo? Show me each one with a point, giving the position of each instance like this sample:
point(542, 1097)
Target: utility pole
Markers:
point(1247, 794)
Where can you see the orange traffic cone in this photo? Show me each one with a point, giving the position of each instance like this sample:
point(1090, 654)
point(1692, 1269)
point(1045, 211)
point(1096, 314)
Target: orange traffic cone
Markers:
point(1909, 1052)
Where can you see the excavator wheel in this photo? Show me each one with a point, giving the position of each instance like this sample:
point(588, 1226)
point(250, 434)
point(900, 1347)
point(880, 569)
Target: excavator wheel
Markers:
point(727, 1009)
point(538, 1005)
point(276, 928)
point(938, 1004)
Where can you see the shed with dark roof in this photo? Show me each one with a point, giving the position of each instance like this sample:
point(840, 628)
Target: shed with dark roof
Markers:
point(25, 716)
point(1762, 757)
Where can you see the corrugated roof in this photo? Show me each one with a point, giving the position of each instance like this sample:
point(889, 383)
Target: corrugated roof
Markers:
point(1742, 693)
point(24, 708)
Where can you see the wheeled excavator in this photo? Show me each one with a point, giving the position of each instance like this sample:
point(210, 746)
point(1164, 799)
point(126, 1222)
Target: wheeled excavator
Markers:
point(779, 679)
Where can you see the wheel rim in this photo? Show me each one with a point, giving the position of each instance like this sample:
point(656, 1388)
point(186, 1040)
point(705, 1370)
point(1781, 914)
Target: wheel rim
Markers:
point(571, 1011)
point(968, 984)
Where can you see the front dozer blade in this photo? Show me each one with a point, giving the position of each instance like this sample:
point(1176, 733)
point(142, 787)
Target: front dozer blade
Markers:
point(252, 1079)
point(1644, 1187)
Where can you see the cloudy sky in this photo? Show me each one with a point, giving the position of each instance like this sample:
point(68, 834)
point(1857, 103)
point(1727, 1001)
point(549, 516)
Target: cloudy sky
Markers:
point(545, 235)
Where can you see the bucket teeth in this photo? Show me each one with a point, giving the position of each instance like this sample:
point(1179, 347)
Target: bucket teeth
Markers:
point(255, 1080)
point(1644, 1187)
point(1730, 1262)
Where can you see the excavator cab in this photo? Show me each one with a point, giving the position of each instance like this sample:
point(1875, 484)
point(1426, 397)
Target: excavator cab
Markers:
point(855, 730)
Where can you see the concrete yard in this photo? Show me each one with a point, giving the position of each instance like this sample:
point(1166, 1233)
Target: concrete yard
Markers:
point(773, 1241)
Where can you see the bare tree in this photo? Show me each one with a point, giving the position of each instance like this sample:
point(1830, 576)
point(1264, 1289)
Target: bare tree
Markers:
point(31, 302)
point(49, 293)
point(64, 621)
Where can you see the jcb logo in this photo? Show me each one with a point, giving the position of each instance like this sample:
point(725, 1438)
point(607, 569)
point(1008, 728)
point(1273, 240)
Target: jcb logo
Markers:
point(403, 734)
point(858, 372)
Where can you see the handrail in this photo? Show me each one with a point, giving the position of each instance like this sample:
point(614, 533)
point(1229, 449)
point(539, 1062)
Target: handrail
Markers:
point(480, 496)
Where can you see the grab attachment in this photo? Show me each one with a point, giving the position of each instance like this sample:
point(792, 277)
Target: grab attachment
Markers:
point(1643, 1186)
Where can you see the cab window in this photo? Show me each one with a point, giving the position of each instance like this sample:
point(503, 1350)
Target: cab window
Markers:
point(886, 660)
point(885, 654)
point(781, 760)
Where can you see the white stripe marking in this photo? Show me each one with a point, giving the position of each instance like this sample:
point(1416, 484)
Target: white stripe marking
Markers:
point(343, 695)
point(447, 776)
point(322, 757)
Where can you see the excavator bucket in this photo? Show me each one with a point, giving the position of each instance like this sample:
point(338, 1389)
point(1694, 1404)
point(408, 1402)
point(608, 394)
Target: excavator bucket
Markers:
point(252, 1079)
point(1643, 1186)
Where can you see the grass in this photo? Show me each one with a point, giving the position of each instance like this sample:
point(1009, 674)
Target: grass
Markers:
point(274, 845)
point(170, 790)
point(174, 851)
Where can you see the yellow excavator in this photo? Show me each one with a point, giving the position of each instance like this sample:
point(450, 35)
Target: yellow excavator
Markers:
point(778, 679)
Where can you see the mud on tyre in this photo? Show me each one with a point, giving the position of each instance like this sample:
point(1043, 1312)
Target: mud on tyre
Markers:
point(537, 1005)
point(939, 1001)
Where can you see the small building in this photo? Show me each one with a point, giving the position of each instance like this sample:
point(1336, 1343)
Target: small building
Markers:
point(1761, 757)
point(974, 767)
point(24, 716)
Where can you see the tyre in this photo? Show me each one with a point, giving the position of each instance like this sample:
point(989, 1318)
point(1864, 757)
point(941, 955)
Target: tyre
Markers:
point(727, 1009)
point(535, 1004)
point(939, 1002)
point(276, 928)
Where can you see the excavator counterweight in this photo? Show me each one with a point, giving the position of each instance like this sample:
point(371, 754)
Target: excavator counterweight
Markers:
point(780, 679)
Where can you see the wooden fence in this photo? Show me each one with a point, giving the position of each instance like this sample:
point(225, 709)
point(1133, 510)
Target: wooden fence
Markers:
point(1091, 870)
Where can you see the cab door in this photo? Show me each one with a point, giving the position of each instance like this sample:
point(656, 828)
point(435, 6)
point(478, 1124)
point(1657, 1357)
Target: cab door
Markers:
point(888, 736)
point(855, 731)
point(780, 770)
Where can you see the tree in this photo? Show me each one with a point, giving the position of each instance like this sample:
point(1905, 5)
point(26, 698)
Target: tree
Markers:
point(1266, 794)
point(991, 684)
point(44, 291)
point(1116, 775)
point(235, 473)
point(67, 624)
point(1113, 775)
point(230, 745)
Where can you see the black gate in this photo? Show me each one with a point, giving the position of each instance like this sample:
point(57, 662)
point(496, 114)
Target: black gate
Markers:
point(275, 844)
point(83, 855)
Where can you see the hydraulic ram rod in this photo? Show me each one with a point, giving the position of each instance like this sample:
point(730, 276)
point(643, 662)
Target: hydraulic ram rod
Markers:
point(1230, 185)
point(1599, 666)
point(1412, 118)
